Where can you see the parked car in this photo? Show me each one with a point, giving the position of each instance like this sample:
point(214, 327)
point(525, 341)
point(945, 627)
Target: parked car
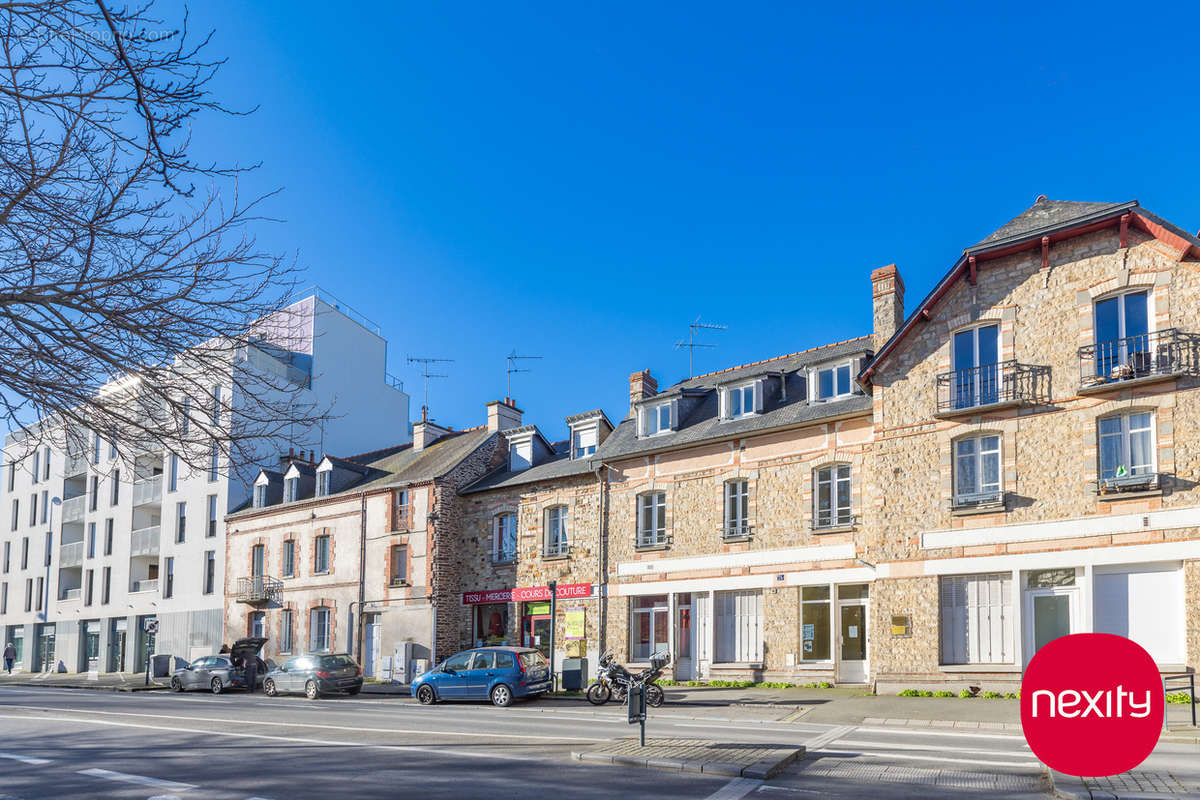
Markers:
point(218, 673)
point(315, 674)
point(498, 673)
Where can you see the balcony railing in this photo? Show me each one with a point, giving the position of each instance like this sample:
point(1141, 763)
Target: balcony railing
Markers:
point(70, 594)
point(971, 500)
point(259, 589)
point(147, 491)
point(554, 550)
point(74, 509)
point(144, 542)
point(736, 530)
point(150, 585)
point(1158, 354)
point(1004, 383)
point(70, 555)
point(1140, 482)
point(74, 464)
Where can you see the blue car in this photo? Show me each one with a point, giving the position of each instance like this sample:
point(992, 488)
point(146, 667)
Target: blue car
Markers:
point(496, 673)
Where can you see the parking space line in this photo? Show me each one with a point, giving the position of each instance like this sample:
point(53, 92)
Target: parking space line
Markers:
point(141, 780)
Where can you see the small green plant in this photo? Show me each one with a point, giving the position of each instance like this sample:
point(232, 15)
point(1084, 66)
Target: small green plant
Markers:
point(1178, 697)
point(943, 693)
point(908, 693)
point(1013, 696)
point(824, 685)
point(993, 695)
point(925, 693)
point(965, 693)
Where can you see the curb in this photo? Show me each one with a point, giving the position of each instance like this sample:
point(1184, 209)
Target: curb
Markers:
point(108, 688)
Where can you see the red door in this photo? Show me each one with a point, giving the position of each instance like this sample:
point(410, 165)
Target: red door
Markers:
point(535, 632)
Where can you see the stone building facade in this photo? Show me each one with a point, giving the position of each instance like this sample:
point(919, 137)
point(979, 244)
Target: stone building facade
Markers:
point(1035, 463)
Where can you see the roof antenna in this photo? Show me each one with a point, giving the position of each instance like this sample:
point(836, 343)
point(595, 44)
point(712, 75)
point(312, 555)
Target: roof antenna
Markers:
point(691, 344)
point(511, 366)
point(426, 374)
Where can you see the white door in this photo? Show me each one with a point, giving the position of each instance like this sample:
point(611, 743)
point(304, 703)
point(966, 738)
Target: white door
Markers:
point(371, 653)
point(852, 641)
point(1049, 614)
point(685, 638)
point(702, 626)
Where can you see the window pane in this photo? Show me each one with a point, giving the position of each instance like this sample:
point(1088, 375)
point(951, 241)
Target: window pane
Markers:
point(968, 480)
point(989, 344)
point(1140, 451)
point(843, 379)
point(991, 471)
point(1110, 455)
point(1136, 320)
point(1107, 320)
point(825, 383)
point(814, 631)
point(964, 350)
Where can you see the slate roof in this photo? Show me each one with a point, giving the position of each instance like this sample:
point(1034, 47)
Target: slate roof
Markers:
point(704, 424)
point(401, 465)
point(559, 466)
point(1047, 214)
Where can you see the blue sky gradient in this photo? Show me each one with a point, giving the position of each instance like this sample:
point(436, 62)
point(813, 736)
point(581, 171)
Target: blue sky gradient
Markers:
point(579, 181)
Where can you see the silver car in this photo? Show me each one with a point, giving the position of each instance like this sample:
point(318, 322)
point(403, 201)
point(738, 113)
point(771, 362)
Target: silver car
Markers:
point(218, 673)
point(316, 674)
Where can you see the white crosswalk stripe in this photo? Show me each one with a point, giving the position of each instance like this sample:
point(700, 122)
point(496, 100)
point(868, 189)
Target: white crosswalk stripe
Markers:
point(736, 789)
point(827, 738)
point(142, 780)
point(25, 759)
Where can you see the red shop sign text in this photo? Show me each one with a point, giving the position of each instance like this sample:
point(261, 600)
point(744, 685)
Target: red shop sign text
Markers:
point(565, 591)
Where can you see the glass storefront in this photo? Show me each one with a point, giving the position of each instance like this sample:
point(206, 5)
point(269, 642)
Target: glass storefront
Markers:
point(649, 626)
point(16, 635)
point(91, 645)
point(116, 645)
point(535, 627)
point(491, 624)
point(814, 623)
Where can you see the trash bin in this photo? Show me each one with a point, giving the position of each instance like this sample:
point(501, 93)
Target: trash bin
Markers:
point(160, 665)
point(574, 673)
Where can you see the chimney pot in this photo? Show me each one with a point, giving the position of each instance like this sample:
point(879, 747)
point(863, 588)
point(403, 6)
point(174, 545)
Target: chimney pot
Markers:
point(642, 386)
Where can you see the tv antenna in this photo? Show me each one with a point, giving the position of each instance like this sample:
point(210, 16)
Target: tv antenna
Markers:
point(691, 344)
point(426, 364)
point(510, 367)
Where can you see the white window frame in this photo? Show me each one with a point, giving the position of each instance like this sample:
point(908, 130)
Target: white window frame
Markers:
point(287, 631)
point(738, 626)
point(321, 555)
point(976, 619)
point(736, 507)
point(291, 489)
point(978, 457)
point(736, 406)
point(556, 541)
point(260, 495)
point(833, 368)
point(661, 605)
point(505, 519)
point(580, 450)
point(652, 418)
point(1126, 433)
point(655, 503)
point(834, 479)
point(324, 482)
point(1122, 332)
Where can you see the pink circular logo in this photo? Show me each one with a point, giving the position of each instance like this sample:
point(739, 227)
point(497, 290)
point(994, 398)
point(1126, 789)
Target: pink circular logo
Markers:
point(1092, 704)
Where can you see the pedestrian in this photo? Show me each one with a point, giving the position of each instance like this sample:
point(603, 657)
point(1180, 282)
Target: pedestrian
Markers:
point(250, 671)
point(10, 655)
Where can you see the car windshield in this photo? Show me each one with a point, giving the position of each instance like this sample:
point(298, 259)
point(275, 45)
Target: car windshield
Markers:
point(533, 660)
point(337, 662)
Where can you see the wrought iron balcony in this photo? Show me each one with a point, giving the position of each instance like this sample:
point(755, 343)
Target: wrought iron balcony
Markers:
point(736, 530)
point(972, 500)
point(259, 589)
point(992, 385)
point(1143, 358)
point(1117, 484)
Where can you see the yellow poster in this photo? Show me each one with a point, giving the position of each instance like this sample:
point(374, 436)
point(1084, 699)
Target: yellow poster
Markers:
point(574, 621)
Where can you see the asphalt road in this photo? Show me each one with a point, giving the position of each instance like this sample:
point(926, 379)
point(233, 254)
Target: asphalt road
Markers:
point(65, 743)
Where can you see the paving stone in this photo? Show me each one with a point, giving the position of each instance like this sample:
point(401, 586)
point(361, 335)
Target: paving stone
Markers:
point(722, 768)
point(694, 755)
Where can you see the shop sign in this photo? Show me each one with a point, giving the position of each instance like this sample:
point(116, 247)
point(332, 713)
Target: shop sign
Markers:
point(565, 591)
point(574, 622)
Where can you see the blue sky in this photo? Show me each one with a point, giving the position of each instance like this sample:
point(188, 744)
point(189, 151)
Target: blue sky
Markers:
point(579, 181)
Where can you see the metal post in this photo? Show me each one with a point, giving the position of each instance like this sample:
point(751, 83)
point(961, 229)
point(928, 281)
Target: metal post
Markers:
point(553, 587)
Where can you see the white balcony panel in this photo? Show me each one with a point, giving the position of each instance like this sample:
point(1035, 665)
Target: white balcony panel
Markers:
point(147, 491)
point(74, 509)
point(145, 586)
point(71, 555)
point(144, 542)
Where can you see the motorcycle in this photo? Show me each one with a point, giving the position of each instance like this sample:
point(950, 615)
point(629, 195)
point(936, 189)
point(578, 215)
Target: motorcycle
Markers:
point(613, 680)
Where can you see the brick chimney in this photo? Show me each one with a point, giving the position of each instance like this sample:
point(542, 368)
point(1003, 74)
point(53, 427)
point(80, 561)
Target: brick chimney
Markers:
point(887, 296)
point(641, 387)
point(502, 415)
point(426, 432)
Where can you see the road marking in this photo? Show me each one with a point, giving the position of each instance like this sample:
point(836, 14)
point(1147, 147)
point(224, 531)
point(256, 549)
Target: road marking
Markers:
point(141, 780)
point(955, 733)
point(736, 789)
point(25, 759)
point(870, 744)
point(357, 728)
point(914, 757)
point(444, 751)
point(828, 738)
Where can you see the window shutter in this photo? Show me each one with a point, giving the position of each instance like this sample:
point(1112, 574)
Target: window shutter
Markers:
point(759, 386)
point(675, 414)
point(723, 403)
point(855, 368)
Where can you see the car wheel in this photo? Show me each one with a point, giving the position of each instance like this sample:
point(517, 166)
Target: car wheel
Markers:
point(502, 695)
point(269, 687)
point(176, 684)
point(217, 685)
point(425, 695)
point(311, 691)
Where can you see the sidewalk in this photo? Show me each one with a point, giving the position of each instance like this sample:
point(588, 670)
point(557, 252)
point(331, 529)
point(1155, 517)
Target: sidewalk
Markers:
point(104, 681)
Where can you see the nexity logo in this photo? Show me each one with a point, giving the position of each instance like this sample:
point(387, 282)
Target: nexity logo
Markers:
point(1092, 704)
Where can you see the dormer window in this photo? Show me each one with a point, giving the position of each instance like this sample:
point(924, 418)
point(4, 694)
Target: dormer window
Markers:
point(324, 482)
point(583, 442)
point(260, 496)
point(656, 419)
point(833, 382)
point(291, 490)
point(742, 401)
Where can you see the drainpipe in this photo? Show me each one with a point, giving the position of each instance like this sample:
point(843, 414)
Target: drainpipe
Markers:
point(362, 566)
point(602, 559)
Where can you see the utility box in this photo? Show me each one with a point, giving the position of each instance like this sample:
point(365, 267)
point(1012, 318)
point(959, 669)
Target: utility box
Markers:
point(574, 673)
point(160, 665)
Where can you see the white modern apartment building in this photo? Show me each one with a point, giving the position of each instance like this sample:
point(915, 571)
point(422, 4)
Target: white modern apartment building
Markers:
point(95, 543)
